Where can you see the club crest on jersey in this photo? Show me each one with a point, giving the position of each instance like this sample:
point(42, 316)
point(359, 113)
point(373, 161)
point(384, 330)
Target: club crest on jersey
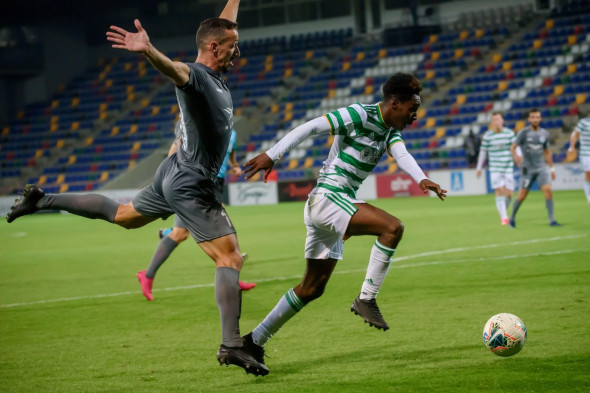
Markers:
point(368, 155)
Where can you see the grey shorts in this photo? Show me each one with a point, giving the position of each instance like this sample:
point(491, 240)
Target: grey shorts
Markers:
point(528, 177)
point(190, 195)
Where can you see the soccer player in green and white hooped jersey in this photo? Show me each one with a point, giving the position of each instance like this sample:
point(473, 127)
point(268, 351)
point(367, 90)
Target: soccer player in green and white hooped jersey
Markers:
point(582, 131)
point(332, 213)
point(496, 143)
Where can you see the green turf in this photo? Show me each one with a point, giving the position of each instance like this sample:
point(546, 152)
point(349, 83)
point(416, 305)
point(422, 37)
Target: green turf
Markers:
point(456, 267)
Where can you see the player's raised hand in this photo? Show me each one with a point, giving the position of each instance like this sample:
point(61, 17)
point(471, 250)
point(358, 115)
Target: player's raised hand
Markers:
point(133, 42)
point(258, 163)
point(428, 185)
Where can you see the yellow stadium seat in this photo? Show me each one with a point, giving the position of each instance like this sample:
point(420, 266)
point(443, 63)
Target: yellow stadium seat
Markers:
point(421, 113)
point(54, 127)
point(268, 67)
point(430, 122)
point(274, 108)
point(435, 56)
point(269, 59)
point(520, 124)
point(288, 116)
point(103, 107)
point(131, 164)
point(42, 179)
point(507, 66)
point(549, 23)
point(392, 168)
point(75, 125)
point(89, 141)
point(537, 44)
point(145, 102)
point(54, 119)
point(54, 104)
point(558, 90)
point(346, 66)
point(142, 72)
point(115, 130)
point(174, 108)
point(360, 56)
point(155, 110)
point(243, 61)
point(6, 131)
point(464, 34)
point(104, 176)
point(433, 38)
point(39, 153)
point(288, 73)
point(580, 98)
point(369, 89)
point(572, 39)
point(502, 85)
point(136, 146)
point(461, 99)
point(128, 66)
point(382, 53)
point(497, 57)
point(331, 93)
point(109, 83)
point(458, 53)
point(60, 143)
point(130, 97)
point(289, 106)
point(130, 89)
point(63, 188)
point(440, 132)
point(430, 74)
point(308, 162)
point(72, 159)
point(479, 33)
point(60, 178)
point(133, 129)
point(309, 55)
point(293, 164)
point(571, 68)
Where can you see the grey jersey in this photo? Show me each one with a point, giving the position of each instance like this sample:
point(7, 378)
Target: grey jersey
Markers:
point(533, 145)
point(206, 117)
point(178, 129)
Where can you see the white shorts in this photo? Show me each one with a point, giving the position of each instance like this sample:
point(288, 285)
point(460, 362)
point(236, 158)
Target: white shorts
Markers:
point(502, 180)
point(585, 163)
point(326, 218)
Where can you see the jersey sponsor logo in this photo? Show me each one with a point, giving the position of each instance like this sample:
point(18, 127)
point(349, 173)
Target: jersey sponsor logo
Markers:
point(368, 155)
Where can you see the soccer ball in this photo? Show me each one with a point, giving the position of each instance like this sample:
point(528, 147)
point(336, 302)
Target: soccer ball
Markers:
point(504, 334)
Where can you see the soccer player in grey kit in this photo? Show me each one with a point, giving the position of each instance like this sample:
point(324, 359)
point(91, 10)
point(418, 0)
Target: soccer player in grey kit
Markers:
point(185, 182)
point(536, 164)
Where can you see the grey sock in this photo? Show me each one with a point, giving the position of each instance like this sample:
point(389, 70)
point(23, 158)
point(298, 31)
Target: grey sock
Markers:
point(86, 205)
point(163, 251)
point(515, 207)
point(508, 200)
point(549, 206)
point(229, 302)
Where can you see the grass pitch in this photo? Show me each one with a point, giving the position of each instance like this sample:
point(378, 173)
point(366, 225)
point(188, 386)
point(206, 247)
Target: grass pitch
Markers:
point(72, 317)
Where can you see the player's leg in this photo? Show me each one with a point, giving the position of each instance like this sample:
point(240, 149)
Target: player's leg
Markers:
point(370, 220)
point(323, 248)
point(91, 206)
point(544, 180)
point(501, 204)
point(526, 180)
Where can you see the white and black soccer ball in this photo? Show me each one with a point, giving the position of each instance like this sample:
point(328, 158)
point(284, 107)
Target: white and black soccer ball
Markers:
point(504, 334)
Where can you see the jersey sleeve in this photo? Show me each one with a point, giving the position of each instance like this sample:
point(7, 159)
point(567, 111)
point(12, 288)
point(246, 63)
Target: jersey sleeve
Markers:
point(195, 79)
point(519, 138)
point(394, 138)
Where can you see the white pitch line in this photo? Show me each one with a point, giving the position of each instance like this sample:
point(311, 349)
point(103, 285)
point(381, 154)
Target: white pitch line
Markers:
point(395, 266)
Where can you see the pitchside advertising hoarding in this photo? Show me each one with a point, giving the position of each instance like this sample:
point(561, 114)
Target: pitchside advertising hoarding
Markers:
point(389, 186)
point(253, 193)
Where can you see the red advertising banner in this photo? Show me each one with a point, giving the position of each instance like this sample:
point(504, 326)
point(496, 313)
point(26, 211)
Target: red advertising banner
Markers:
point(295, 191)
point(397, 185)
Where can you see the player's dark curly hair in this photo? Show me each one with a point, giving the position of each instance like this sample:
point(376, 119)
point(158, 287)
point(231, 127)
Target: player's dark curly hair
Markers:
point(213, 28)
point(401, 85)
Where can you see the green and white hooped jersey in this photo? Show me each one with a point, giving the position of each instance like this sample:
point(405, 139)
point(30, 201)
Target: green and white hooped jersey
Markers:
point(497, 145)
point(360, 140)
point(583, 127)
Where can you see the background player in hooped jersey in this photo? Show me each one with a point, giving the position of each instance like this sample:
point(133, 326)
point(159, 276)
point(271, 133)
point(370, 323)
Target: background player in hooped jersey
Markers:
point(170, 238)
point(582, 132)
point(536, 164)
point(496, 143)
point(362, 134)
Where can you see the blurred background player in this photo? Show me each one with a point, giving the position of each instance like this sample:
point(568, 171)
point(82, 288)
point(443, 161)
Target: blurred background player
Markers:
point(496, 143)
point(536, 164)
point(170, 238)
point(332, 213)
point(582, 132)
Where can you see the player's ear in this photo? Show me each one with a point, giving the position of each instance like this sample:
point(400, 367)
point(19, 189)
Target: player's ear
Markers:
point(214, 47)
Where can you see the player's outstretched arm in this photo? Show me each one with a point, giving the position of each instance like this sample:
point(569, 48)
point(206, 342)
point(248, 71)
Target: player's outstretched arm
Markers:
point(317, 126)
point(230, 11)
point(140, 43)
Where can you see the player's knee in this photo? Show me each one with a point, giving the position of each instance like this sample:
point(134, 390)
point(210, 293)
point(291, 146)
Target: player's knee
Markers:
point(395, 228)
point(311, 292)
point(178, 235)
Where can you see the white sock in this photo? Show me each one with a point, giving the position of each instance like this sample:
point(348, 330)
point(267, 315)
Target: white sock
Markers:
point(501, 206)
point(587, 190)
point(376, 271)
point(286, 308)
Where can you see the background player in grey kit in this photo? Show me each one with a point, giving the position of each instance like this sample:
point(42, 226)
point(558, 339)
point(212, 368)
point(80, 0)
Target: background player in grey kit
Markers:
point(536, 164)
point(185, 182)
